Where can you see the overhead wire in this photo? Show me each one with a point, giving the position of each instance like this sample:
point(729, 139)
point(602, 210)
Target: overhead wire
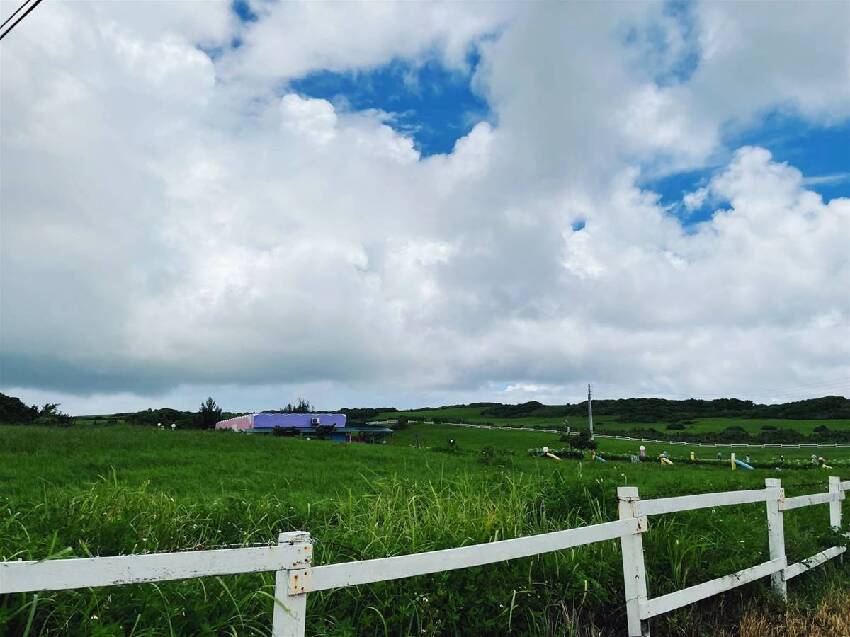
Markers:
point(14, 13)
point(16, 22)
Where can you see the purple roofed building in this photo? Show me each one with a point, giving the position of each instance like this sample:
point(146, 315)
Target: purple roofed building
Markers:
point(265, 422)
point(322, 426)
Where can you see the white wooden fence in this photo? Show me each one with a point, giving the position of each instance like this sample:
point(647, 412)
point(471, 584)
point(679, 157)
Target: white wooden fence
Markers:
point(295, 577)
point(746, 445)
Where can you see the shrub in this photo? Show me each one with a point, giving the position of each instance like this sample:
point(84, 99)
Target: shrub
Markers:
point(50, 415)
point(582, 441)
point(12, 410)
point(400, 424)
point(497, 457)
point(569, 453)
point(451, 446)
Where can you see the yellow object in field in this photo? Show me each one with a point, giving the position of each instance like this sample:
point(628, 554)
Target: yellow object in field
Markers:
point(732, 459)
point(666, 460)
point(693, 457)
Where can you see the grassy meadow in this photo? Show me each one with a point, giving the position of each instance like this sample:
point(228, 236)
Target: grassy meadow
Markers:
point(521, 441)
point(602, 424)
point(94, 490)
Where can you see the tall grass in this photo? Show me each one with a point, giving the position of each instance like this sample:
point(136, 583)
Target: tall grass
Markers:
point(430, 501)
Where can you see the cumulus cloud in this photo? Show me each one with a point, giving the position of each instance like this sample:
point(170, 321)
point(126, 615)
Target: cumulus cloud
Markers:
point(293, 39)
point(171, 219)
point(696, 199)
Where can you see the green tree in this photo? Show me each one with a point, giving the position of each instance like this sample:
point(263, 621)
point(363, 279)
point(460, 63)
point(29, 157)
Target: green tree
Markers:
point(208, 414)
point(582, 440)
point(301, 406)
point(12, 410)
point(50, 415)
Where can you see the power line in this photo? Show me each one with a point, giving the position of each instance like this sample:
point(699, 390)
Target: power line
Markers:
point(14, 13)
point(24, 15)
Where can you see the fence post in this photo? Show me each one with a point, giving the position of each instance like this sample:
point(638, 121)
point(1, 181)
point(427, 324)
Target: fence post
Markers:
point(634, 568)
point(290, 602)
point(776, 533)
point(835, 505)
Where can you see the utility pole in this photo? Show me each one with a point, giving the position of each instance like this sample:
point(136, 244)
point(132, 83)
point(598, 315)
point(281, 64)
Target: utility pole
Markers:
point(589, 412)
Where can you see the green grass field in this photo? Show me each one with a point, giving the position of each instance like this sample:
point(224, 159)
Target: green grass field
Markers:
point(92, 490)
point(471, 415)
point(521, 441)
point(610, 423)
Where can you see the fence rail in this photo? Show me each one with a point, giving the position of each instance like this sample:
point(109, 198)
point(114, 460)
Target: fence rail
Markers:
point(291, 559)
point(715, 445)
point(692, 594)
point(701, 501)
point(86, 572)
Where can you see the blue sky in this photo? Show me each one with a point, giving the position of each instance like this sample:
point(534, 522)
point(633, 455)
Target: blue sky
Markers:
point(820, 152)
point(243, 11)
point(430, 103)
point(434, 105)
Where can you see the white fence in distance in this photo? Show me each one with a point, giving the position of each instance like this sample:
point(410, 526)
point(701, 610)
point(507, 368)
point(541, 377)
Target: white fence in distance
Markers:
point(295, 577)
point(746, 445)
point(707, 445)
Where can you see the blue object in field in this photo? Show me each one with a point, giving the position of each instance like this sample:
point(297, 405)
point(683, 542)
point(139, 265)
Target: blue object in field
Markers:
point(600, 459)
point(743, 465)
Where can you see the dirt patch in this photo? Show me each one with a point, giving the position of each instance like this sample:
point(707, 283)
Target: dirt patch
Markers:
point(831, 618)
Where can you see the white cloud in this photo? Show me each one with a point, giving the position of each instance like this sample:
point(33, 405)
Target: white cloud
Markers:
point(695, 200)
point(170, 222)
point(292, 39)
point(758, 56)
point(312, 118)
point(835, 178)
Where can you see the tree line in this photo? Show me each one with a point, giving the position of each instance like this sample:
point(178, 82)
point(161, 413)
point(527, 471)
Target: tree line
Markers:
point(663, 410)
point(640, 410)
point(14, 411)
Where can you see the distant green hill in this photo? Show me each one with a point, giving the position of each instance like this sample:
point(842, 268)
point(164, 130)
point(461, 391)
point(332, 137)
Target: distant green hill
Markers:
point(661, 409)
point(622, 410)
point(633, 411)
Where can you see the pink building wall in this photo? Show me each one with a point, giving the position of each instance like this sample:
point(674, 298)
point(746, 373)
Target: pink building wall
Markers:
point(240, 423)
